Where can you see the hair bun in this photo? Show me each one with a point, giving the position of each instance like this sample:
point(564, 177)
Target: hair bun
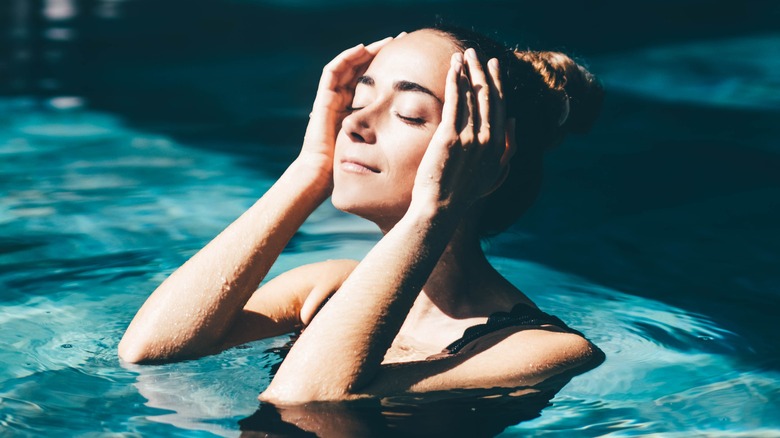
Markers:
point(575, 94)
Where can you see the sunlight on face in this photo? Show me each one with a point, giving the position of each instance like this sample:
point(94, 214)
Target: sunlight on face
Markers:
point(396, 109)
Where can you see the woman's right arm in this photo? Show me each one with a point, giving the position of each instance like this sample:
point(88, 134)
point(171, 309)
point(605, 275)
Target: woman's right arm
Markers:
point(189, 313)
point(192, 311)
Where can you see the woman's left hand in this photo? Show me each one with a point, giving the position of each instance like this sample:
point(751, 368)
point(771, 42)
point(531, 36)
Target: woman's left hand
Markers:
point(468, 154)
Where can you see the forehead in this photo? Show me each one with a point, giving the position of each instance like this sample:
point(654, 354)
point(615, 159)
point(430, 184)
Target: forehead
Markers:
point(422, 57)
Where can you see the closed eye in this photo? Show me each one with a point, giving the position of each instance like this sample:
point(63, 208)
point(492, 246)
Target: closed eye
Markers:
point(416, 121)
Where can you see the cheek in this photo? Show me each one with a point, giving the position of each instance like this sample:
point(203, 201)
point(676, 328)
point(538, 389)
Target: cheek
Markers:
point(415, 147)
point(411, 161)
point(340, 137)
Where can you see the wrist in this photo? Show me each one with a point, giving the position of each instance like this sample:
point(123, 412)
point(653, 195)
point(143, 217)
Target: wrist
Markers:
point(436, 211)
point(311, 176)
point(431, 218)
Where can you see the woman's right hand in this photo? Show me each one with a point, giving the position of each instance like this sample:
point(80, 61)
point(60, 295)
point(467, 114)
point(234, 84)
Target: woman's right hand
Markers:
point(334, 94)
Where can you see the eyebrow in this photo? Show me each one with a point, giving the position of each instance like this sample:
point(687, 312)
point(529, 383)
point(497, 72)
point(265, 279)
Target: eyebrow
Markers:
point(400, 86)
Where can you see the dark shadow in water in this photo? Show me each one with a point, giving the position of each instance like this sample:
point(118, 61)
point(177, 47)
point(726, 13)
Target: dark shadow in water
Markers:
point(456, 413)
point(466, 415)
point(673, 202)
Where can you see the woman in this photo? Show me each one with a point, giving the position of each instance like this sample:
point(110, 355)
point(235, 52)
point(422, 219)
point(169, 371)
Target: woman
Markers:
point(437, 147)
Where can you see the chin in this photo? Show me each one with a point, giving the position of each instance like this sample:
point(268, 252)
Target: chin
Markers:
point(342, 203)
point(383, 212)
point(348, 203)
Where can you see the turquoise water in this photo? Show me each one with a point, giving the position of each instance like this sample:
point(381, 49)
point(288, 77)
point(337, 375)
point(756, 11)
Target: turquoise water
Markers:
point(95, 214)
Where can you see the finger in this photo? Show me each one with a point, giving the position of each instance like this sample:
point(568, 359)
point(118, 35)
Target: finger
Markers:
point(358, 64)
point(324, 102)
point(376, 46)
point(401, 35)
point(479, 84)
point(449, 112)
point(497, 102)
point(466, 109)
point(498, 110)
point(338, 74)
point(334, 72)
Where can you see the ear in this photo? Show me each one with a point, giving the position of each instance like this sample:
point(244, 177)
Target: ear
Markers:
point(509, 151)
point(511, 144)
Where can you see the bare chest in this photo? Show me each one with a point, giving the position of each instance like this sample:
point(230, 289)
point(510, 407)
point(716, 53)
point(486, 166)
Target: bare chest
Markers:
point(406, 352)
point(421, 344)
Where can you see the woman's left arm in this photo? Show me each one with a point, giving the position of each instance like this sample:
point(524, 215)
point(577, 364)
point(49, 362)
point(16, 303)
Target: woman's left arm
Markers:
point(343, 347)
point(341, 351)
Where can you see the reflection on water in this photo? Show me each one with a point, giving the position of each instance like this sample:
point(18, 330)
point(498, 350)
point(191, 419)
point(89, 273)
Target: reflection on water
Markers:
point(738, 72)
point(44, 58)
point(92, 222)
point(457, 415)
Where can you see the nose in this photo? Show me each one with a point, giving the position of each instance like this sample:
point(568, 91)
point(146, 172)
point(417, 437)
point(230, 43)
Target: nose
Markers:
point(359, 126)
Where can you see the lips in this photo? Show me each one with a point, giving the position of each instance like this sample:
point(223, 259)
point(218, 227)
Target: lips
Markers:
point(353, 165)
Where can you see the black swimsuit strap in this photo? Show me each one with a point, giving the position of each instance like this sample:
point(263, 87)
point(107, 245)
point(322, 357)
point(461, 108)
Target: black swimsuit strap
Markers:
point(520, 315)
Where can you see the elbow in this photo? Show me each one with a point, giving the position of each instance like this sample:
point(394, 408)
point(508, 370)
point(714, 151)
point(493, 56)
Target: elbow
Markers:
point(298, 399)
point(145, 352)
point(294, 394)
point(136, 352)
point(135, 346)
point(132, 352)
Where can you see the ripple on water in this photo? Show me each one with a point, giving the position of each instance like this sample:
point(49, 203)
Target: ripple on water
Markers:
point(648, 384)
point(738, 72)
point(661, 364)
point(83, 258)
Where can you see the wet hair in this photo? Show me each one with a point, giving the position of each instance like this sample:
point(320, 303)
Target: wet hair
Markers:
point(549, 95)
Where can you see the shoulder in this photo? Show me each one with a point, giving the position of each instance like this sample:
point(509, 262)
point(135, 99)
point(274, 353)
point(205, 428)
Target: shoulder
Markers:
point(288, 301)
point(527, 357)
point(327, 277)
point(303, 288)
point(313, 273)
point(538, 354)
point(507, 358)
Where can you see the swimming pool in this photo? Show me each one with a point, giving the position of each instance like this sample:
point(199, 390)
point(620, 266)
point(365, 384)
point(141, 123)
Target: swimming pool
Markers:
point(95, 214)
point(656, 236)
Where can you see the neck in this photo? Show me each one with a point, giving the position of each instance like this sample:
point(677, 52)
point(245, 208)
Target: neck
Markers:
point(456, 284)
point(463, 283)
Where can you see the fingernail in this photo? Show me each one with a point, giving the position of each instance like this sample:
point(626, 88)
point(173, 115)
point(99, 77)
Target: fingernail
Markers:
point(471, 53)
point(457, 63)
point(380, 42)
point(493, 63)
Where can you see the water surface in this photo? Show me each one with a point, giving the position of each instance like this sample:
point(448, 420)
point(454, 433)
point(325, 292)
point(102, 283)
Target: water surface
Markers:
point(95, 214)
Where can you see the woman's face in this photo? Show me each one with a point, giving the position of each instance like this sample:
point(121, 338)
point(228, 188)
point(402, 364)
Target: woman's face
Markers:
point(397, 108)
